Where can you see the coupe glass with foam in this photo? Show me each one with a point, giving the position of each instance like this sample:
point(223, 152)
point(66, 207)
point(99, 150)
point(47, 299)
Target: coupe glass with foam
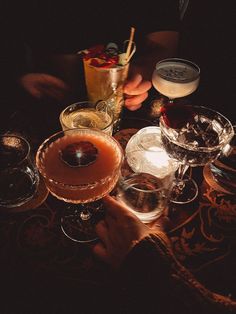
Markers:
point(173, 78)
point(80, 166)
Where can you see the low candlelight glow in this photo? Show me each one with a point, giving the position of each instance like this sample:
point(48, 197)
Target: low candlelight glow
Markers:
point(145, 153)
point(157, 157)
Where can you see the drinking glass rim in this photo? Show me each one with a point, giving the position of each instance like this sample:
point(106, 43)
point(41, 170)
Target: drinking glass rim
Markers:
point(136, 174)
point(81, 185)
point(116, 68)
point(181, 60)
point(20, 137)
point(140, 133)
point(201, 148)
point(92, 104)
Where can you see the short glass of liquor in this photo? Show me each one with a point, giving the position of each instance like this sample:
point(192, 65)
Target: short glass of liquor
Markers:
point(174, 78)
point(80, 166)
point(199, 140)
point(106, 84)
point(19, 177)
point(85, 114)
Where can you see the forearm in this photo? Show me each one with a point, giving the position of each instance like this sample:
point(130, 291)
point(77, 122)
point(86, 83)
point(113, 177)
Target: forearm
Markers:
point(151, 271)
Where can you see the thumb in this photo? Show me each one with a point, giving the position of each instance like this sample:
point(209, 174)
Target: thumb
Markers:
point(100, 251)
point(113, 207)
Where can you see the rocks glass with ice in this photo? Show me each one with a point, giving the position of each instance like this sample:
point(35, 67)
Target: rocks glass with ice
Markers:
point(194, 136)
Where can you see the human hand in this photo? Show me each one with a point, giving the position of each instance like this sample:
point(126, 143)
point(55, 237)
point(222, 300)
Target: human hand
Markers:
point(43, 86)
point(119, 232)
point(136, 91)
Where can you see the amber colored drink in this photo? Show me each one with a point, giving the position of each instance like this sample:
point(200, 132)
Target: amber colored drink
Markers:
point(106, 84)
point(80, 184)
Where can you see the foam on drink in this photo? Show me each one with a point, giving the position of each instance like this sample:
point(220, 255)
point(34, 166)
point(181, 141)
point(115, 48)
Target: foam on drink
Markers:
point(175, 78)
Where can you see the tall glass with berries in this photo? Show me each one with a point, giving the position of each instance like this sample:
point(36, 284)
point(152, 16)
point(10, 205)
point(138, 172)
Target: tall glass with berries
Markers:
point(106, 70)
point(194, 136)
point(80, 166)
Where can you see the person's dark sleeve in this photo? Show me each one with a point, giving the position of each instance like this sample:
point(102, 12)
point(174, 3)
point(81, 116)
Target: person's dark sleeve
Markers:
point(153, 281)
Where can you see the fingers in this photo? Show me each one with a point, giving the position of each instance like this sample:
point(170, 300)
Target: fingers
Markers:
point(53, 87)
point(136, 86)
point(40, 85)
point(34, 91)
point(135, 102)
point(113, 207)
point(52, 92)
point(102, 231)
point(133, 83)
point(100, 250)
point(163, 223)
point(136, 91)
point(53, 82)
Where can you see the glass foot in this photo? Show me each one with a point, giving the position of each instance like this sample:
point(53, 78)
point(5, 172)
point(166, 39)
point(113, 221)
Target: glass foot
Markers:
point(79, 224)
point(184, 191)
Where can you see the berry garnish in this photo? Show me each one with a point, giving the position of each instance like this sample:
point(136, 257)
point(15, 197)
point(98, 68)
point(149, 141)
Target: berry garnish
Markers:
point(79, 154)
point(92, 52)
point(176, 116)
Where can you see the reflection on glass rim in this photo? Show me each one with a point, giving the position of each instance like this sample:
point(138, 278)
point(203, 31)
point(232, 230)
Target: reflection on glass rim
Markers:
point(227, 125)
point(16, 141)
point(82, 186)
point(178, 63)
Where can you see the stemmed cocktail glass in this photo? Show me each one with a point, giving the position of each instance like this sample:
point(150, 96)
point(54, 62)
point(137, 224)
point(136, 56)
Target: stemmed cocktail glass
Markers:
point(19, 177)
point(80, 166)
point(176, 78)
point(173, 78)
point(194, 136)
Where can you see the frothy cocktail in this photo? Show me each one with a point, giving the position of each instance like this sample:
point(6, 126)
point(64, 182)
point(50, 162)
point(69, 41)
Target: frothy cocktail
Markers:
point(175, 77)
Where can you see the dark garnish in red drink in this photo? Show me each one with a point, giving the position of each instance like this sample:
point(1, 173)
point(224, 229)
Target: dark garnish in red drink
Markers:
point(79, 154)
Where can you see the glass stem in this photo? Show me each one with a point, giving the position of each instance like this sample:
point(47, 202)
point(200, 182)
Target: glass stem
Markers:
point(85, 214)
point(181, 171)
point(180, 184)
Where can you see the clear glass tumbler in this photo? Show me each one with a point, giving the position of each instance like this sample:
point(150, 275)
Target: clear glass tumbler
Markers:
point(144, 194)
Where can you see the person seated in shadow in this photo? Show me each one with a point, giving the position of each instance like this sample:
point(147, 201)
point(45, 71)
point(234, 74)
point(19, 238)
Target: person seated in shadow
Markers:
point(206, 38)
point(149, 277)
point(41, 44)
